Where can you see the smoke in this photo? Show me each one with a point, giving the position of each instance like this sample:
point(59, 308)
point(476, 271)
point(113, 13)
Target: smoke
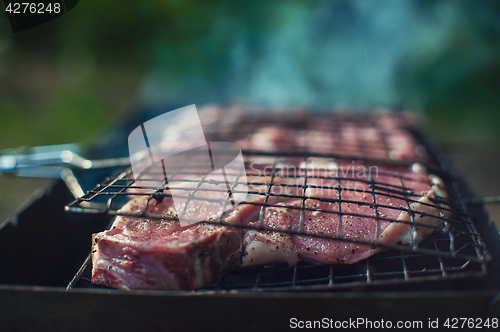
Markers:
point(312, 54)
point(336, 53)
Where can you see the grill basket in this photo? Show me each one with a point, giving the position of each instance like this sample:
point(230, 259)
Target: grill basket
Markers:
point(454, 250)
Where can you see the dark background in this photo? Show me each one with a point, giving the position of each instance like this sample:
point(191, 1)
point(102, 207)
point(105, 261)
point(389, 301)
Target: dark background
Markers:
point(74, 78)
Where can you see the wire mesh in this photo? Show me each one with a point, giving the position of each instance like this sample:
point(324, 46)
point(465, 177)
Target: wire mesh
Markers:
point(311, 166)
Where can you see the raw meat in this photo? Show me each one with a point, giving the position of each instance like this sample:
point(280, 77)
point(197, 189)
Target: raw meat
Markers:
point(143, 253)
point(354, 219)
point(384, 135)
point(149, 253)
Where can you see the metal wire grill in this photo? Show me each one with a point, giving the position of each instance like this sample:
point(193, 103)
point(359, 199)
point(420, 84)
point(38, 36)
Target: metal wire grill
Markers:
point(453, 250)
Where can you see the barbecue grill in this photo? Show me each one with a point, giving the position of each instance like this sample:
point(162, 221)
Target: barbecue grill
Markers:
point(456, 267)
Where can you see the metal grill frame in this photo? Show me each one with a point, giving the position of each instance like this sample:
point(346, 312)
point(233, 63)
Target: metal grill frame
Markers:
point(449, 264)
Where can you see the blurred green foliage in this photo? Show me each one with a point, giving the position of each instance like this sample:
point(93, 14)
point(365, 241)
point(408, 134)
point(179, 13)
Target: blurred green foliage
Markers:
point(456, 78)
point(75, 77)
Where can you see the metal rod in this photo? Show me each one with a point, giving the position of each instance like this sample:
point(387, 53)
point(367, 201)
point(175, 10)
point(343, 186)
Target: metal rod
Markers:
point(458, 232)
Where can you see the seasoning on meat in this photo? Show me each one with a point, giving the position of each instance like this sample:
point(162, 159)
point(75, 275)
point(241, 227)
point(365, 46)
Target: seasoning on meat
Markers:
point(343, 215)
point(142, 253)
point(352, 211)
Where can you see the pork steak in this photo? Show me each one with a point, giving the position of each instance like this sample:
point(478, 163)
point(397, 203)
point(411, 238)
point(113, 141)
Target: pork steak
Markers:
point(142, 253)
point(350, 211)
point(361, 208)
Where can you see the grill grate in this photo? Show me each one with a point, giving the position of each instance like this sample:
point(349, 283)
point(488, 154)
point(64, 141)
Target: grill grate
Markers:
point(454, 249)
